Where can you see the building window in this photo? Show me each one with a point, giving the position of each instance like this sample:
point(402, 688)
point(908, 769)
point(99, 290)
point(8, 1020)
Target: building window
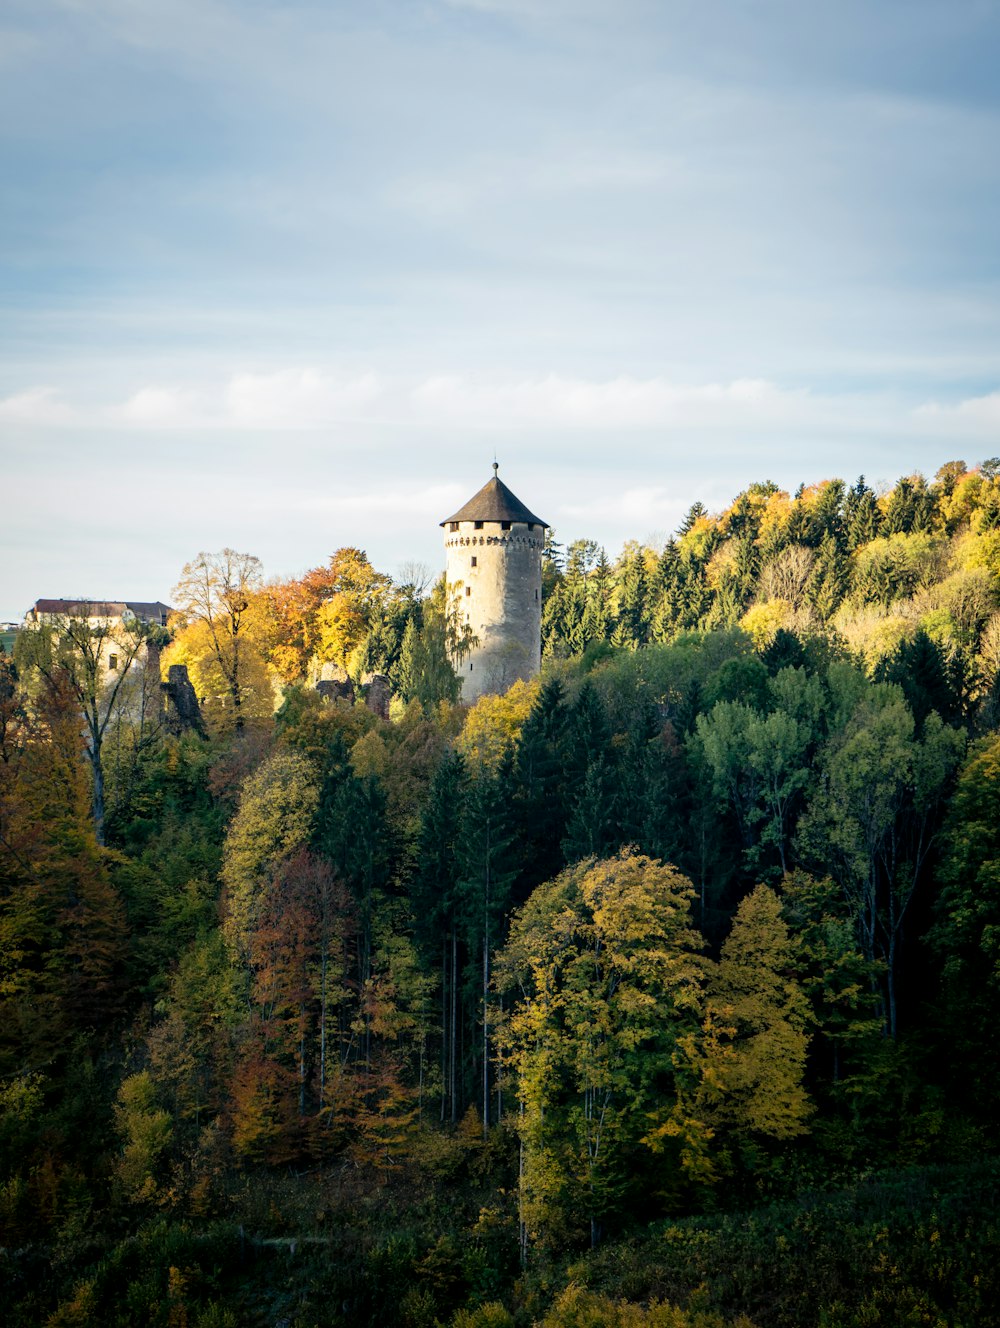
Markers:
point(470, 668)
point(468, 590)
point(505, 525)
point(479, 525)
point(474, 560)
point(452, 525)
point(531, 525)
point(536, 594)
point(112, 661)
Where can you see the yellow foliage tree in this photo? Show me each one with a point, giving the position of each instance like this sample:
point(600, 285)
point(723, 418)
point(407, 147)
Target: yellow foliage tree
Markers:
point(608, 976)
point(761, 1066)
point(493, 725)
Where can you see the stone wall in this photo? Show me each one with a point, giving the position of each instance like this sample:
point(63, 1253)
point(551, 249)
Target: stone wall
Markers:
point(495, 584)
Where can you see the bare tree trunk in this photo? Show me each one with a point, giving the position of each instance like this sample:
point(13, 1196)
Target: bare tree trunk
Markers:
point(322, 1030)
point(98, 791)
point(454, 1025)
point(444, 1030)
point(486, 1034)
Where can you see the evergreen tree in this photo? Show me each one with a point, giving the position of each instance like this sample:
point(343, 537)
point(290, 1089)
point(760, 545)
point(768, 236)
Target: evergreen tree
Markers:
point(632, 628)
point(439, 908)
point(829, 578)
point(862, 517)
point(488, 869)
point(589, 776)
point(538, 788)
point(919, 667)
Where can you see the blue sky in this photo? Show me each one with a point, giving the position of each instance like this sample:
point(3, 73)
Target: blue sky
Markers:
point(284, 276)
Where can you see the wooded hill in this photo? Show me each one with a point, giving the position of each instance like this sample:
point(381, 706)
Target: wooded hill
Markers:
point(580, 1006)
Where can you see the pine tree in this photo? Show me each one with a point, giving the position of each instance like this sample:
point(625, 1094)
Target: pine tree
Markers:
point(538, 793)
point(862, 517)
point(487, 873)
point(438, 906)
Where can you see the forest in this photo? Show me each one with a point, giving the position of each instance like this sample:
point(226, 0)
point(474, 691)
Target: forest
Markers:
point(659, 991)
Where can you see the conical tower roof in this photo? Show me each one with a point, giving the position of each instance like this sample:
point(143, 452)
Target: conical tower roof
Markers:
point(495, 502)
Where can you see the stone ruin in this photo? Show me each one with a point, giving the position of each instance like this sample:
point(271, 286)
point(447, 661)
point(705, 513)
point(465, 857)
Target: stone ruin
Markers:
point(378, 694)
point(334, 684)
point(183, 713)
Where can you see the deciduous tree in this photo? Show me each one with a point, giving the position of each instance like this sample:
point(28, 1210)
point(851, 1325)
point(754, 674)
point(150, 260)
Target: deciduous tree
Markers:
point(216, 590)
point(605, 973)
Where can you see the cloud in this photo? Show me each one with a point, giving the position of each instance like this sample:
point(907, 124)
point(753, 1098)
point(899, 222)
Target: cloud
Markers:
point(425, 503)
point(973, 415)
point(36, 405)
point(310, 399)
point(623, 402)
point(158, 408)
point(298, 398)
point(638, 510)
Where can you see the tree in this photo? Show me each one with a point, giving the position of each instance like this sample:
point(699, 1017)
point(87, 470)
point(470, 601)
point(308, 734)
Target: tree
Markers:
point(589, 776)
point(146, 1132)
point(493, 725)
point(62, 928)
point(840, 985)
point(605, 973)
point(486, 874)
point(357, 594)
point(539, 792)
point(874, 817)
point(966, 930)
point(216, 590)
point(437, 903)
point(13, 716)
point(755, 991)
point(96, 656)
point(274, 819)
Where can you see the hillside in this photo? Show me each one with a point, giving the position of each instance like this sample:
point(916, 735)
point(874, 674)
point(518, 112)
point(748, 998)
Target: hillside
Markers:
point(590, 1004)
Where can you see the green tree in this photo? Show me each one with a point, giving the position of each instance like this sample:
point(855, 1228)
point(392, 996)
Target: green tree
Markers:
point(874, 816)
point(275, 815)
point(437, 904)
point(966, 930)
point(538, 787)
point(146, 1132)
point(606, 975)
point(487, 870)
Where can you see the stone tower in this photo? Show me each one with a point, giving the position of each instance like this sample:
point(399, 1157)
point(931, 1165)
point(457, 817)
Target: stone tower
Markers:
point(494, 583)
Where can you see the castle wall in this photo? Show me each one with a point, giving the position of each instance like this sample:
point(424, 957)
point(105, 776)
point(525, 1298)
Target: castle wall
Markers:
point(494, 581)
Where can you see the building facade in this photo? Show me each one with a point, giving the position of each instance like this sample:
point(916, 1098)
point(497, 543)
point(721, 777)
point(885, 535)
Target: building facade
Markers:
point(493, 573)
point(118, 636)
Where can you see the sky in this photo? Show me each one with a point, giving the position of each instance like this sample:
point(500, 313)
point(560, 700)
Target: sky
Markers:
point(287, 275)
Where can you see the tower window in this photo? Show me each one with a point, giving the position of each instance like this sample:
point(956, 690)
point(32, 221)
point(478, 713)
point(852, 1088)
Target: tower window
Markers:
point(112, 661)
point(470, 668)
point(479, 525)
point(452, 525)
point(536, 594)
point(474, 560)
point(531, 525)
point(468, 590)
point(505, 525)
